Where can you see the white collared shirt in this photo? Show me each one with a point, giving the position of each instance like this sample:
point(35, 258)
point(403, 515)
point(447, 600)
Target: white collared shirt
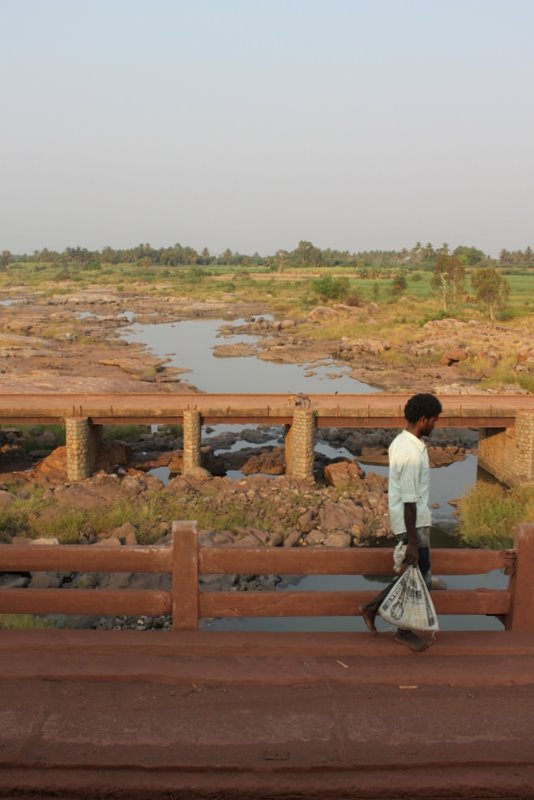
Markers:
point(409, 481)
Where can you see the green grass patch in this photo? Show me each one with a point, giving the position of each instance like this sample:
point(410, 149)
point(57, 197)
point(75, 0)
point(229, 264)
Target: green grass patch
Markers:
point(124, 433)
point(490, 513)
point(32, 437)
point(22, 622)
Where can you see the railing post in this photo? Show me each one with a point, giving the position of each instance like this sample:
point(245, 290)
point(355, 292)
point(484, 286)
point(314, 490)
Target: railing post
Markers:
point(185, 576)
point(521, 616)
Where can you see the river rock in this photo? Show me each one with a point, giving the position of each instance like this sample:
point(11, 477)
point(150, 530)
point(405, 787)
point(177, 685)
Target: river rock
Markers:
point(109, 541)
point(260, 435)
point(47, 439)
point(338, 539)
point(307, 521)
point(125, 534)
point(46, 580)
point(319, 313)
point(443, 456)
point(268, 462)
point(315, 537)
point(292, 538)
point(14, 580)
point(342, 474)
point(6, 499)
point(222, 441)
point(136, 483)
point(176, 463)
point(45, 540)
point(112, 454)
point(53, 468)
point(335, 517)
point(453, 355)
point(100, 490)
point(199, 473)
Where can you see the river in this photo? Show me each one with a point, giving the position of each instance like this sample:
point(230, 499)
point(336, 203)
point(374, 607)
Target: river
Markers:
point(189, 344)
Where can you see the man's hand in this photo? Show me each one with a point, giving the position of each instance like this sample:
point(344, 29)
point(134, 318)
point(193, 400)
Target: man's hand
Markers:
point(412, 555)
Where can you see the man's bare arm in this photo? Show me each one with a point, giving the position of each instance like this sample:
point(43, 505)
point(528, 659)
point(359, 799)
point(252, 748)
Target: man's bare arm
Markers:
point(410, 515)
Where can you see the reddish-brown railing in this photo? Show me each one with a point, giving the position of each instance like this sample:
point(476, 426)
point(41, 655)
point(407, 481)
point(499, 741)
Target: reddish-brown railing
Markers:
point(186, 560)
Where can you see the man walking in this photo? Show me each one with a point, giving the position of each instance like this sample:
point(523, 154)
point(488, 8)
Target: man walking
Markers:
point(408, 499)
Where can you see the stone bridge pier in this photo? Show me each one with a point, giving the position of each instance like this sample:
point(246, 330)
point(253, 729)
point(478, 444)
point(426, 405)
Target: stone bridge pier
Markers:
point(82, 442)
point(508, 453)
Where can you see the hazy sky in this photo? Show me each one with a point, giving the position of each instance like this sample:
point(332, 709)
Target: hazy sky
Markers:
point(253, 124)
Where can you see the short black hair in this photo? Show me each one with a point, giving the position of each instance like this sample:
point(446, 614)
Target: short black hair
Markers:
point(422, 405)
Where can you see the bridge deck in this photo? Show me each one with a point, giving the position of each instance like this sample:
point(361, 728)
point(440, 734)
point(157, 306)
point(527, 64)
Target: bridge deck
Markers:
point(347, 410)
point(137, 714)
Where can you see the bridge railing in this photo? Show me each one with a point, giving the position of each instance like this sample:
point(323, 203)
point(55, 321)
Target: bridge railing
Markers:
point(186, 561)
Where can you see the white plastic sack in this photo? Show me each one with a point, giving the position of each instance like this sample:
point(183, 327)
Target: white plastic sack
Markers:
point(399, 554)
point(408, 604)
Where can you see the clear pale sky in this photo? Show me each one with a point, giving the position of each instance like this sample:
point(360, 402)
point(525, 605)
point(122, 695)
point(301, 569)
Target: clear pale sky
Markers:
point(253, 124)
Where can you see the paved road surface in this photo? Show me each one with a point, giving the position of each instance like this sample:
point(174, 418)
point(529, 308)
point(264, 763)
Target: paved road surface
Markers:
point(231, 715)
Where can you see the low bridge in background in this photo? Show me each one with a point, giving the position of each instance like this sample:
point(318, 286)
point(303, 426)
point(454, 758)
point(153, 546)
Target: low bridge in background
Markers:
point(506, 423)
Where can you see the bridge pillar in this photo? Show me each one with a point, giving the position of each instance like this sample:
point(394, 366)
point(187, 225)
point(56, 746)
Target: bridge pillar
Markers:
point(192, 438)
point(524, 450)
point(299, 444)
point(508, 453)
point(82, 440)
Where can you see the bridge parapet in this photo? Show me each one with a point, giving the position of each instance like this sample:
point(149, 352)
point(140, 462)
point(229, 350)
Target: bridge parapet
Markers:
point(186, 561)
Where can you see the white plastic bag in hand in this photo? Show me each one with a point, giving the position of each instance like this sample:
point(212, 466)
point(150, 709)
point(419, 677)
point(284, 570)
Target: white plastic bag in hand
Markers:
point(399, 554)
point(408, 604)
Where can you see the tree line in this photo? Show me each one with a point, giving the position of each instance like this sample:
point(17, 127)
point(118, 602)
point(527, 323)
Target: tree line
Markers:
point(304, 255)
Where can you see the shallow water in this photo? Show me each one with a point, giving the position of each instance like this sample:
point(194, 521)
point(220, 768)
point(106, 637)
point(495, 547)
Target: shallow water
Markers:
point(189, 345)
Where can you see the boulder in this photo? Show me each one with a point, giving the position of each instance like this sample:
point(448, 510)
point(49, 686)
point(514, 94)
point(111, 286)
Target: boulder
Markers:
point(334, 517)
point(6, 499)
point(453, 355)
point(54, 466)
point(319, 313)
point(338, 539)
point(126, 534)
point(112, 454)
point(443, 456)
point(176, 462)
point(45, 540)
point(46, 580)
point(47, 439)
point(315, 537)
point(306, 522)
point(199, 473)
point(108, 541)
point(343, 474)
point(268, 462)
point(292, 538)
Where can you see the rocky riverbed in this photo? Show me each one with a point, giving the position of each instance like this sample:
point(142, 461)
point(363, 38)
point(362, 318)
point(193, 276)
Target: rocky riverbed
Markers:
point(74, 342)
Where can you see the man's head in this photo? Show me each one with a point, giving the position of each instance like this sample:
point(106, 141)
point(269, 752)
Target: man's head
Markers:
point(422, 411)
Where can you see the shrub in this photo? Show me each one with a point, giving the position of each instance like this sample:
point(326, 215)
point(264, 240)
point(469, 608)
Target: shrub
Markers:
point(489, 514)
point(328, 288)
